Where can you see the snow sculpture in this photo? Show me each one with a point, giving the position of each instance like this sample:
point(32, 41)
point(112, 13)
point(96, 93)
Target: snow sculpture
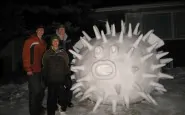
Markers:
point(118, 68)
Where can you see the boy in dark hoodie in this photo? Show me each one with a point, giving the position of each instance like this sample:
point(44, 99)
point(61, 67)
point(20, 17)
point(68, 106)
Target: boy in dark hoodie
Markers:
point(55, 68)
point(66, 44)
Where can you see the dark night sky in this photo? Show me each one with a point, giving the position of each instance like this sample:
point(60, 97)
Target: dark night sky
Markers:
point(95, 3)
point(13, 22)
point(57, 4)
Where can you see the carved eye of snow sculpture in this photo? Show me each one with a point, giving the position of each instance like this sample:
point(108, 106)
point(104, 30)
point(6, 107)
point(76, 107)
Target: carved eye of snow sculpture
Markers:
point(118, 68)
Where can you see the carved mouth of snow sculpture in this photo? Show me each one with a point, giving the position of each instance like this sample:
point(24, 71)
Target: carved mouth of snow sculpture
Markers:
point(118, 68)
point(103, 70)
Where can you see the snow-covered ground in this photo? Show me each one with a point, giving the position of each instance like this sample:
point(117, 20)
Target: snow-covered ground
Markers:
point(14, 100)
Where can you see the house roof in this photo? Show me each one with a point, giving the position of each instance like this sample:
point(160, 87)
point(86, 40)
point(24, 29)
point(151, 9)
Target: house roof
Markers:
point(143, 6)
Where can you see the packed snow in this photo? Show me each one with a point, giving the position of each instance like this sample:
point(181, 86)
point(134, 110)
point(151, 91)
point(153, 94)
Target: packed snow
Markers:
point(14, 100)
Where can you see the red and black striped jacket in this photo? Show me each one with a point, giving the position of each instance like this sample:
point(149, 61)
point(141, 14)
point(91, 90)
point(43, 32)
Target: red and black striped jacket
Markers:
point(33, 51)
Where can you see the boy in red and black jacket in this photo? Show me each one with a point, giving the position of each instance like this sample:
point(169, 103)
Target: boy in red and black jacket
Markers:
point(33, 50)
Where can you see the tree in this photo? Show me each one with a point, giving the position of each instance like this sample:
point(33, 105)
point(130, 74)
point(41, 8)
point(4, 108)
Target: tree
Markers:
point(12, 22)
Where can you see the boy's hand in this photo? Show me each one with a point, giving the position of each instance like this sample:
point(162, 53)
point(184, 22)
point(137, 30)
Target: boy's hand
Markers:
point(29, 73)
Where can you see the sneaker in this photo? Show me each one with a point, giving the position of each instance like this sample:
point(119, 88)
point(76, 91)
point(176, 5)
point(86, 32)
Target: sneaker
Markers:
point(62, 113)
point(63, 108)
point(70, 105)
point(43, 108)
point(43, 111)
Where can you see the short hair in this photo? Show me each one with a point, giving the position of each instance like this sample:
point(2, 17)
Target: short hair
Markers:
point(54, 37)
point(60, 26)
point(39, 26)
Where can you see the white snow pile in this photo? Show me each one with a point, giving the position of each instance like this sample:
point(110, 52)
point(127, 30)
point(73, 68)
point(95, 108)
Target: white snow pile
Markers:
point(13, 92)
point(14, 101)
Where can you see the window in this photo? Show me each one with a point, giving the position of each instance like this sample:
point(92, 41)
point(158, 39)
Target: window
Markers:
point(160, 22)
point(179, 23)
point(133, 18)
point(115, 18)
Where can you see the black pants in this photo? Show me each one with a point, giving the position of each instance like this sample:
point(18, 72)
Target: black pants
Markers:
point(68, 85)
point(56, 94)
point(36, 93)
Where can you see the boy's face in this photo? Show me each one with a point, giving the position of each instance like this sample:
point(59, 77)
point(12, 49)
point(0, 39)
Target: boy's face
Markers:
point(40, 31)
point(55, 43)
point(61, 31)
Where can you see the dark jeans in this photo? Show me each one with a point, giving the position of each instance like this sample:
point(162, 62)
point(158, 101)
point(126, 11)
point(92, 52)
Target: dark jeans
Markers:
point(68, 85)
point(36, 93)
point(56, 94)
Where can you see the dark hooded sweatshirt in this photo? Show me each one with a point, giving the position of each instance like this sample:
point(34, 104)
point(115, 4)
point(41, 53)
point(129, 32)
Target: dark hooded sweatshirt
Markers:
point(55, 65)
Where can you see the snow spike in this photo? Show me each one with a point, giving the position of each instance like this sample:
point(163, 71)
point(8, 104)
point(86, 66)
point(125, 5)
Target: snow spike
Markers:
point(154, 67)
point(161, 89)
point(130, 31)
point(89, 90)
point(162, 75)
point(121, 37)
point(108, 30)
point(147, 75)
point(97, 33)
point(138, 32)
point(103, 37)
point(84, 97)
point(98, 102)
point(167, 60)
point(159, 52)
point(145, 96)
point(152, 100)
point(113, 29)
point(76, 54)
point(123, 26)
point(160, 55)
point(82, 68)
point(137, 87)
point(86, 36)
point(87, 78)
point(76, 90)
point(130, 52)
point(136, 29)
point(136, 43)
point(79, 94)
point(73, 76)
point(155, 84)
point(73, 61)
point(76, 49)
point(147, 35)
point(126, 99)
point(86, 43)
point(114, 105)
point(118, 89)
point(76, 85)
point(149, 49)
point(144, 58)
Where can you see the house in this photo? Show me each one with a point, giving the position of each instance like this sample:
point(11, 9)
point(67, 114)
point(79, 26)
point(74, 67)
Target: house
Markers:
point(167, 20)
point(11, 61)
